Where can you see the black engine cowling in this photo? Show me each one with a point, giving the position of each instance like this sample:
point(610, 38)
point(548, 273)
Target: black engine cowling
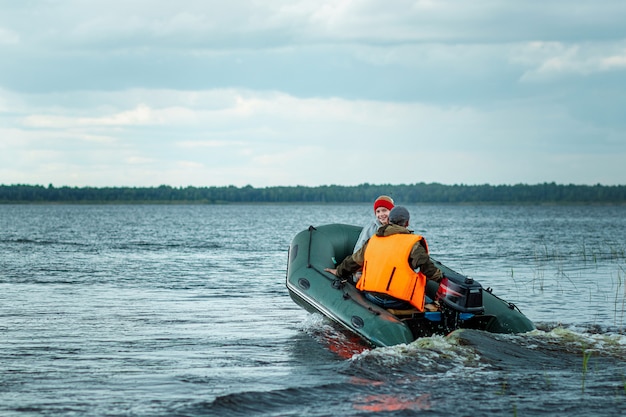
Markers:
point(461, 294)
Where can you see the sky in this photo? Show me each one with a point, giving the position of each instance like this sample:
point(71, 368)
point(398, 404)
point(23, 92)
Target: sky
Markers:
point(312, 92)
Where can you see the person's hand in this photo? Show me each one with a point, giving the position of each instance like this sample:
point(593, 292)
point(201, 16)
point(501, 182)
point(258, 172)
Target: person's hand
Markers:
point(437, 276)
point(332, 271)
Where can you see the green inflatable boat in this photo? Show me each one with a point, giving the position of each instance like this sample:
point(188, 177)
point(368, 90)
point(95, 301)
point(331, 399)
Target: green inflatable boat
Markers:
point(461, 302)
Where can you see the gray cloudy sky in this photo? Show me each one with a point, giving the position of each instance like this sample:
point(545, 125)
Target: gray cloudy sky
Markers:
point(312, 92)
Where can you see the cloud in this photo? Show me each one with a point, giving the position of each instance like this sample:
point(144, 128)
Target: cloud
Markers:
point(8, 37)
point(549, 60)
point(273, 92)
point(249, 137)
point(208, 144)
point(138, 116)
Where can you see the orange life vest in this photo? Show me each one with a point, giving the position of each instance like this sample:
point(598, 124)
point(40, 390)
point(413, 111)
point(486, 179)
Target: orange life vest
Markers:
point(386, 268)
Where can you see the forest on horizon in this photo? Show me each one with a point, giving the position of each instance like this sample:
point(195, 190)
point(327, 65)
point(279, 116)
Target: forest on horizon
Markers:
point(546, 193)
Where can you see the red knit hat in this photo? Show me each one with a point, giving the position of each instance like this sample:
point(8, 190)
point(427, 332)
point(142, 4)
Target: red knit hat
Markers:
point(383, 201)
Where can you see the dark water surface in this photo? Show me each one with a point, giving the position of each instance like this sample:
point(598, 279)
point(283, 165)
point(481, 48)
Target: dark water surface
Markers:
point(183, 311)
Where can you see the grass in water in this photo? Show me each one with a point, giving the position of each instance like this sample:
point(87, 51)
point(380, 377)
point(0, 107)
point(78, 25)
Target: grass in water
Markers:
point(620, 305)
point(548, 380)
point(503, 389)
point(586, 356)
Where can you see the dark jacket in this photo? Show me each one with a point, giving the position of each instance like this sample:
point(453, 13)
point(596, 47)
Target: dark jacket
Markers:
point(418, 258)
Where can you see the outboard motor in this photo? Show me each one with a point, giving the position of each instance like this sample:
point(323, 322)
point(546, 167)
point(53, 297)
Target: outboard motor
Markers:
point(461, 294)
point(461, 302)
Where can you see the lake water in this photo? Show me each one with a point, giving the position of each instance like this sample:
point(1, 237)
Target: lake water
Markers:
point(133, 310)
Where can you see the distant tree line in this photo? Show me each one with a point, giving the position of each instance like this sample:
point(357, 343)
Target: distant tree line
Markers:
point(546, 193)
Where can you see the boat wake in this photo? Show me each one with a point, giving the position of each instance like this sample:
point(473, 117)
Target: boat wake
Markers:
point(334, 338)
point(549, 347)
point(487, 368)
